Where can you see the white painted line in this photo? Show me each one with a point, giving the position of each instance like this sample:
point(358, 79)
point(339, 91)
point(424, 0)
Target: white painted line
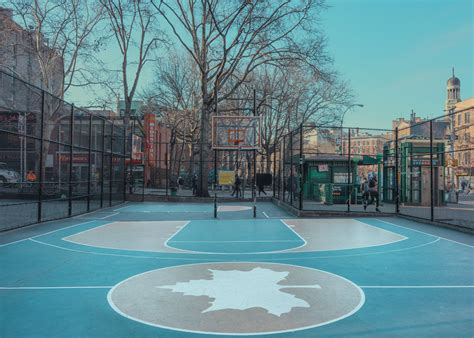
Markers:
point(122, 208)
point(354, 255)
point(52, 287)
point(264, 214)
point(109, 215)
point(46, 233)
point(123, 255)
point(417, 286)
point(81, 232)
point(229, 253)
point(425, 233)
point(20, 240)
point(220, 260)
point(262, 241)
point(384, 230)
point(177, 232)
point(71, 226)
point(297, 234)
point(357, 308)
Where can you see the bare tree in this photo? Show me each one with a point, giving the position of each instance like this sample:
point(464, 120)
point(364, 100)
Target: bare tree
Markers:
point(62, 39)
point(133, 25)
point(287, 98)
point(174, 94)
point(229, 39)
point(57, 38)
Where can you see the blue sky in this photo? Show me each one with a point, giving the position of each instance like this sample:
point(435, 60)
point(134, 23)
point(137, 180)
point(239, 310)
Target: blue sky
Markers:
point(396, 54)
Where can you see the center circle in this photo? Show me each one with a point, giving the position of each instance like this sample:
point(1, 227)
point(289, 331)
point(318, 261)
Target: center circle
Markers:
point(236, 298)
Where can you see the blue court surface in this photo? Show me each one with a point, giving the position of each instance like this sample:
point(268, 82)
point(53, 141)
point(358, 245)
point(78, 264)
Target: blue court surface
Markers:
point(172, 270)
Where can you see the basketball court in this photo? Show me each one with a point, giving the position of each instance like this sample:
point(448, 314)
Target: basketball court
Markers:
point(173, 270)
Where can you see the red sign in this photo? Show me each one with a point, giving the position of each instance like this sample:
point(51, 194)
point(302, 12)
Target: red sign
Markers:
point(76, 158)
point(150, 128)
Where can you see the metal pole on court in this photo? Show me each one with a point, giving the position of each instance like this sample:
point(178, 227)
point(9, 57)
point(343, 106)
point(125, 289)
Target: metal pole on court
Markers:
point(215, 183)
point(397, 192)
point(111, 161)
point(349, 170)
point(431, 171)
point(300, 206)
point(254, 160)
point(40, 188)
point(89, 165)
point(71, 135)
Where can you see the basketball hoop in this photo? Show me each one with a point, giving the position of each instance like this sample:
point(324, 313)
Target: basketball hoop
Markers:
point(236, 132)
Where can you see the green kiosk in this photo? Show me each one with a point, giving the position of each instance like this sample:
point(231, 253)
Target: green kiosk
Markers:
point(415, 172)
point(326, 177)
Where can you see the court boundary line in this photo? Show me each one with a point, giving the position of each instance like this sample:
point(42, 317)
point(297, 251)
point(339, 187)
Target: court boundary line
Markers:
point(219, 260)
point(121, 255)
point(163, 211)
point(350, 313)
point(425, 233)
point(379, 228)
point(262, 241)
point(402, 237)
point(46, 233)
point(183, 223)
point(52, 287)
point(193, 252)
point(247, 208)
point(416, 286)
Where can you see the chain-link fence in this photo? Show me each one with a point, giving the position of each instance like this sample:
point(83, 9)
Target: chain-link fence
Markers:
point(422, 169)
point(56, 160)
point(176, 171)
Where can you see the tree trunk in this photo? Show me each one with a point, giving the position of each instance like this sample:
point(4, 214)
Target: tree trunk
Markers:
point(268, 162)
point(207, 108)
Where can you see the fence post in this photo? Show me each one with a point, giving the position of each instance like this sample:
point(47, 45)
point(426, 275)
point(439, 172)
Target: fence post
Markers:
point(89, 174)
point(167, 169)
point(291, 169)
point(397, 191)
point(41, 179)
point(349, 169)
point(301, 169)
point(431, 171)
point(274, 167)
point(111, 170)
point(71, 135)
point(283, 168)
point(124, 153)
point(102, 166)
point(145, 171)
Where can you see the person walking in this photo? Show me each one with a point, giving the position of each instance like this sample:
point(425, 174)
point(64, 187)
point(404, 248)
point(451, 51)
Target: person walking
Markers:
point(194, 184)
point(261, 188)
point(131, 182)
point(237, 184)
point(364, 188)
point(180, 182)
point(373, 192)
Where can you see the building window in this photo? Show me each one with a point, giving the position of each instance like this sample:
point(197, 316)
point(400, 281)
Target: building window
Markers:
point(459, 119)
point(467, 117)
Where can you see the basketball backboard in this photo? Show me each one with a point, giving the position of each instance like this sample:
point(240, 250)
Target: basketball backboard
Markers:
point(236, 132)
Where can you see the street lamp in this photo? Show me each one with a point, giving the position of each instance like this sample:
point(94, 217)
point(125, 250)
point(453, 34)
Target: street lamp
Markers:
point(342, 122)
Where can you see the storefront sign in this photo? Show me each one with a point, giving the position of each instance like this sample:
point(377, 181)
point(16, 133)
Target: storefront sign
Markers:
point(323, 167)
point(424, 162)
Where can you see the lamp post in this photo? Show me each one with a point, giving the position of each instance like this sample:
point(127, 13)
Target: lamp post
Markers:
point(342, 122)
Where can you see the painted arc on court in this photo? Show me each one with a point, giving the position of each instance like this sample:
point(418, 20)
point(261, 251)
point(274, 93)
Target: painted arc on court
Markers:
point(236, 298)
